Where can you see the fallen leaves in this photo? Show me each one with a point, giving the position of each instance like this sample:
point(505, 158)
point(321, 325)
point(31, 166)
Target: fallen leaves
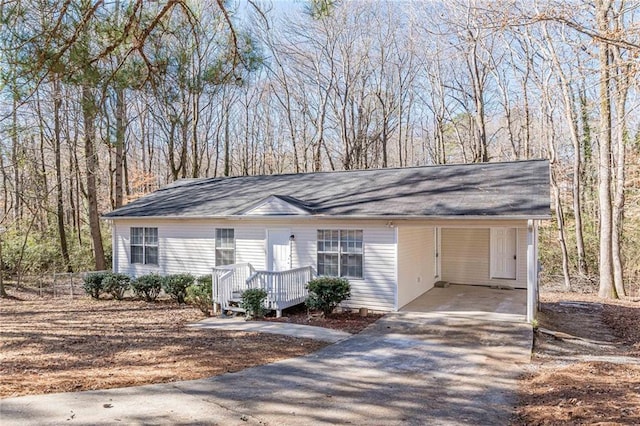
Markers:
point(567, 388)
point(62, 345)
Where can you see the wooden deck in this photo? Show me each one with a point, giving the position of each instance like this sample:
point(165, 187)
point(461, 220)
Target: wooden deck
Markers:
point(284, 288)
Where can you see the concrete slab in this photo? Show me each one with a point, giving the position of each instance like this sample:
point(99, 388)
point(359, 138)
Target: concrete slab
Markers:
point(406, 369)
point(479, 302)
point(294, 330)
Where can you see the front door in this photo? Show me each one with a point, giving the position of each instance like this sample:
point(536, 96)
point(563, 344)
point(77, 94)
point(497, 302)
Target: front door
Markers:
point(503, 253)
point(278, 250)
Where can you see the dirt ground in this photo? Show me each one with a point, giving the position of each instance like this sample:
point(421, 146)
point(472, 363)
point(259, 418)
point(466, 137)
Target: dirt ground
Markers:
point(61, 345)
point(586, 363)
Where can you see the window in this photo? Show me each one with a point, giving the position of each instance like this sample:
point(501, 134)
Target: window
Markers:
point(144, 246)
point(340, 253)
point(225, 247)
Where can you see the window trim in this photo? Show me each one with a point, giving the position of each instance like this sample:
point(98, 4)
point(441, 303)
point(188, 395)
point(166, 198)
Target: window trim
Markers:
point(144, 245)
point(341, 253)
point(216, 248)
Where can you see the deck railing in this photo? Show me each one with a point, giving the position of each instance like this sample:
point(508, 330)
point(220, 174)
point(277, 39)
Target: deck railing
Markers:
point(229, 279)
point(284, 288)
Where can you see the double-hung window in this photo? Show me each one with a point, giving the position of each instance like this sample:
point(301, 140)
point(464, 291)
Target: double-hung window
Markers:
point(225, 246)
point(340, 253)
point(144, 246)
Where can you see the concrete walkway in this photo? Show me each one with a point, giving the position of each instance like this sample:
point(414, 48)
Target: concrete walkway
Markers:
point(294, 330)
point(407, 368)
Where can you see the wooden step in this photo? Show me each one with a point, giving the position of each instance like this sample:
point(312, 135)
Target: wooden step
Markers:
point(235, 309)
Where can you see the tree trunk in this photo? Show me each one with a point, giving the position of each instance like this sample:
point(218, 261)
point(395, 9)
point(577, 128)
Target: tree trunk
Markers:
point(607, 289)
point(561, 233)
point(57, 146)
point(15, 159)
point(120, 135)
point(3, 292)
point(572, 118)
point(622, 80)
point(91, 160)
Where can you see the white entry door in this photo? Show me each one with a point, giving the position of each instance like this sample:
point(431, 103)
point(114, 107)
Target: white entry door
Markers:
point(503, 253)
point(278, 250)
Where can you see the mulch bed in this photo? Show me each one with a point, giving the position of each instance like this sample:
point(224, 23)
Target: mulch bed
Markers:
point(351, 322)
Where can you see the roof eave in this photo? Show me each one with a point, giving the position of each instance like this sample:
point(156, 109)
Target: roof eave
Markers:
point(336, 217)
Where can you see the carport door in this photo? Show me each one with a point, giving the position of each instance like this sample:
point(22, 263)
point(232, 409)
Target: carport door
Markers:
point(503, 253)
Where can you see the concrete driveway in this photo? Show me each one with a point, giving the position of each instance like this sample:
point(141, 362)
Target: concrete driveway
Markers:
point(482, 302)
point(407, 368)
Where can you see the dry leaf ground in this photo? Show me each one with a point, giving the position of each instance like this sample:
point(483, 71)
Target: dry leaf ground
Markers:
point(61, 345)
point(585, 368)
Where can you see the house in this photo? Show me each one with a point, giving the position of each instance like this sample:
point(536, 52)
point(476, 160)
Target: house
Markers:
point(393, 233)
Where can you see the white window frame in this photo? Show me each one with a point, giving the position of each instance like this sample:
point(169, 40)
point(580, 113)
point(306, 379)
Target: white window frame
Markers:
point(218, 247)
point(145, 245)
point(341, 252)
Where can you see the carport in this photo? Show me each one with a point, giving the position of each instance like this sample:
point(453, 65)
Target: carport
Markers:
point(489, 265)
point(473, 301)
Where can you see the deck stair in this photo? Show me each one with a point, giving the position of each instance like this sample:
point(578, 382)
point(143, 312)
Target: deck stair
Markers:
point(234, 303)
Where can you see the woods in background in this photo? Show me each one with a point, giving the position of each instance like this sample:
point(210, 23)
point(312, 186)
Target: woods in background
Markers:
point(104, 102)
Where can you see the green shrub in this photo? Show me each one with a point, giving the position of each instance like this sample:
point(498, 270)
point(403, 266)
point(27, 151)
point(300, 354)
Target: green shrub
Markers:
point(176, 285)
point(147, 286)
point(253, 303)
point(93, 283)
point(200, 294)
point(116, 284)
point(325, 293)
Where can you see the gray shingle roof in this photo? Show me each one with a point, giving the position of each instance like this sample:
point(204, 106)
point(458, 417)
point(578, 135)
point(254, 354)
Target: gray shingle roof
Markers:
point(511, 189)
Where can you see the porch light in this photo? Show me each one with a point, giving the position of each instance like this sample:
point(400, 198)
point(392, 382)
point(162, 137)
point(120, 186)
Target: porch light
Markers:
point(292, 237)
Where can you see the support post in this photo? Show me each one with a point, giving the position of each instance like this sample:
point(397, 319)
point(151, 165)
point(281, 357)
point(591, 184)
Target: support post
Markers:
point(532, 271)
point(214, 292)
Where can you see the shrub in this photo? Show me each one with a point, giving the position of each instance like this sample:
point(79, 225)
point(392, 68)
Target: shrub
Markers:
point(176, 286)
point(93, 283)
point(116, 284)
point(147, 286)
point(325, 293)
point(253, 303)
point(199, 294)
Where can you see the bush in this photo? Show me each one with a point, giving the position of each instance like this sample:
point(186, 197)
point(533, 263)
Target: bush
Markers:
point(176, 286)
point(325, 293)
point(200, 294)
point(93, 283)
point(116, 284)
point(253, 303)
point(147, 286)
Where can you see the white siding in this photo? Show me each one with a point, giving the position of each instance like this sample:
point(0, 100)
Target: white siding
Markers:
point(177, 243)
point(250, 244)
point(466, 257)
point(377, 290)
point(188, 245)
point(274, 206)
point(416, 262)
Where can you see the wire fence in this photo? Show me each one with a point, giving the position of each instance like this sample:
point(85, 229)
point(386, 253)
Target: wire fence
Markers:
point(65, 284)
